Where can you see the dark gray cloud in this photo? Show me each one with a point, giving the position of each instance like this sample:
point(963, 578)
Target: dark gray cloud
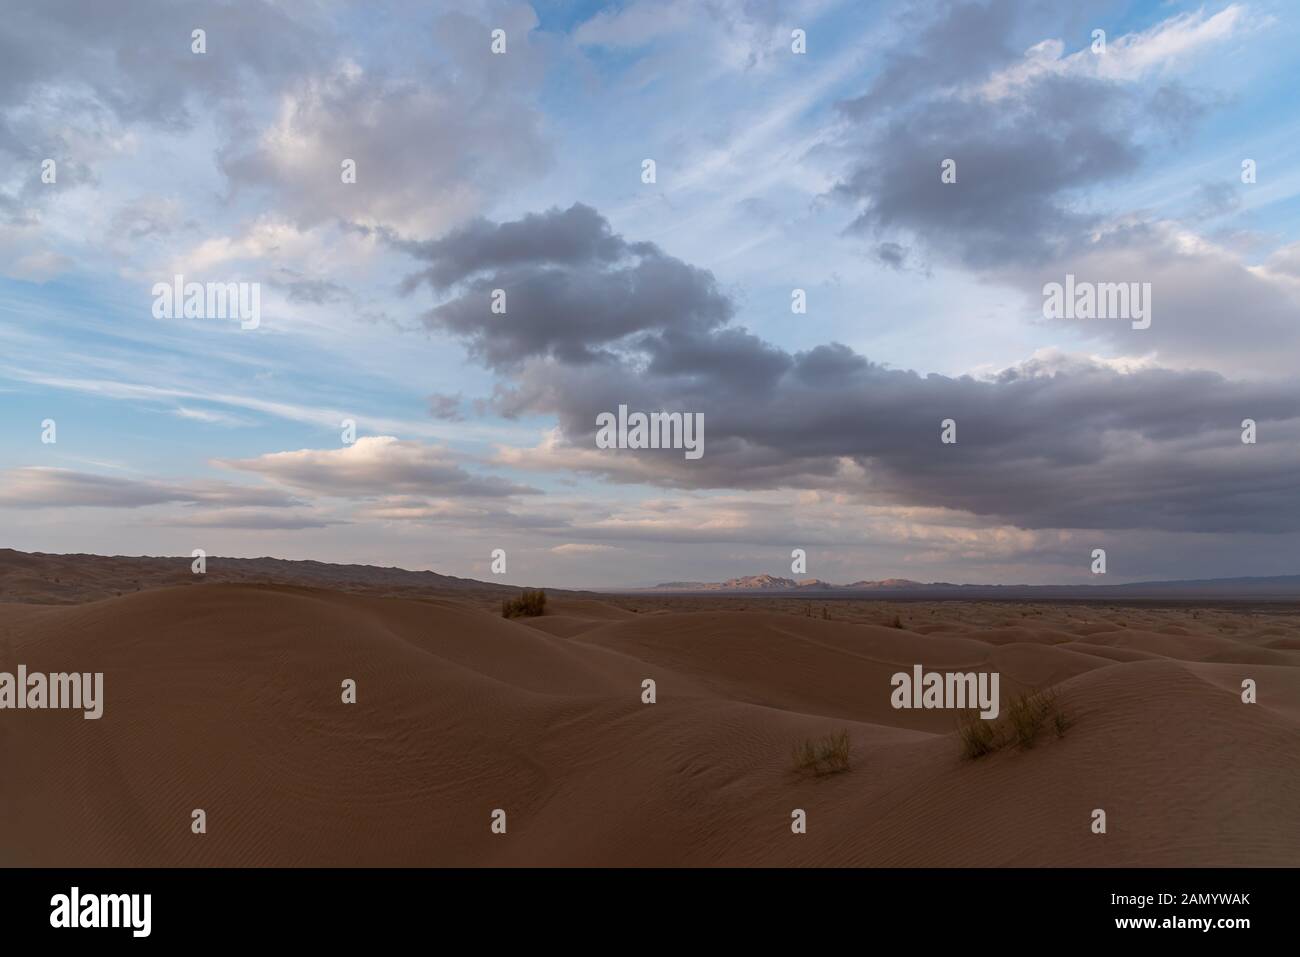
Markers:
point(1039, 129)
point(446, 407)
point(1023, 154)
point(1049, 444)
point(892, 255)
point(300, 288)
point(1017, 163)
point(573, 290)
point(575, 237)
point(961, 41)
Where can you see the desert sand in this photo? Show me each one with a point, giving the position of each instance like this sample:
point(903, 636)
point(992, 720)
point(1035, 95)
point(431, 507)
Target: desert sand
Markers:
point(227, 697)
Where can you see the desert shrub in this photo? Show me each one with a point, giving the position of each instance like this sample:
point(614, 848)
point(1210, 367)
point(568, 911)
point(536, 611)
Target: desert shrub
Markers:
point(826, 755)
point(1061, 720)
point(897, 622)
point(1019, 724)
point(978, 737)
point(530, 604)
point(1025, 716)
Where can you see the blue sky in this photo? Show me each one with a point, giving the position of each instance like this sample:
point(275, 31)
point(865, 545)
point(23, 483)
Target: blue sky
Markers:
point(775, 171)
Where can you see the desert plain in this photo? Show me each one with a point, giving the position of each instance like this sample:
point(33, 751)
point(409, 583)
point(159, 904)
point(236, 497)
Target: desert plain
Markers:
point(225, 696)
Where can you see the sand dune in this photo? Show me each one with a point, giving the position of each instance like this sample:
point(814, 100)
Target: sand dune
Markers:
point(227, 698)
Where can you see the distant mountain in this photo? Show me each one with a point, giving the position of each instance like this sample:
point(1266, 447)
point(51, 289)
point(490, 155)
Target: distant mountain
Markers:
point(1277, 587)
point(46, 578)
point(897, 583)
point(750, 583)
point(776, 583)
point(759, 583)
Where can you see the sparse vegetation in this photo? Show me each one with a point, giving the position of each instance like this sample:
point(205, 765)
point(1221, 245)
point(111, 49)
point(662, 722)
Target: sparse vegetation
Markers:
point(1025, 716)
point(1021, 720)
point(530, 604)
point(826, 755)
point(897, 622)
point(978, 737)
point(1062, 721)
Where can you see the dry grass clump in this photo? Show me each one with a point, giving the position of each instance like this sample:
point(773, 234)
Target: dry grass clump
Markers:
point(978, 737)
point(1024, 716)
point(528, 605)
point(826, 755)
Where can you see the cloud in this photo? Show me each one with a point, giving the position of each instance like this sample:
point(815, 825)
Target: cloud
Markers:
point(573, 288)
point(75, 74)
point(1127, 58)
point(1035, 137)
point(210, 416)
point(1208, 308)
point(574, 237)
point(445, 407)
point(964, 41)
point(43, 487)
point(250, 519)
point(375, 466)
point(1029, 134)
point(430, 146)
point(1015, 164)
point(136, 61)
point(147, 216)
point(579, 548)
point(299, 288)
point(742, 34)
point(435, 123)
point(1083, 443)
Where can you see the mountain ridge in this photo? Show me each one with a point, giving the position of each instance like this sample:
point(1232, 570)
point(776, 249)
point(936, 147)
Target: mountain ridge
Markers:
point(58, 578)
point(1255, 586)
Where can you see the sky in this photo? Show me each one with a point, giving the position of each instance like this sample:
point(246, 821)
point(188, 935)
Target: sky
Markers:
point(915, 174)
